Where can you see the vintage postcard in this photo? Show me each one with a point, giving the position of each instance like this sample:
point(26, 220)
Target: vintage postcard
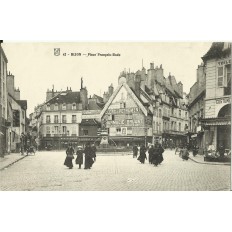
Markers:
point(116, 116)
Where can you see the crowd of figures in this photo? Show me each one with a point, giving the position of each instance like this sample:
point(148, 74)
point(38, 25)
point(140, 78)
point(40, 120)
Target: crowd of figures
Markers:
point(28, 143)
point(89, 153)
point(155, 153)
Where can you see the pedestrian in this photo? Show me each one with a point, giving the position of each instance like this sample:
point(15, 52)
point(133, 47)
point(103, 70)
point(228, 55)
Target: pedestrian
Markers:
point(161, 151)
point(142, 155)
point(135, 151)
point(150, 153)
point(185, 154)
point(221, 150)
point(79, 159)
point(156, 154)
point(22, 143)
point(88, 156)
point(94, 151)
point(69, 156)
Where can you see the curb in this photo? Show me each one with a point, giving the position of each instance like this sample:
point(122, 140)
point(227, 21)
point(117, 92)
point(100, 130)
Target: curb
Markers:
point(228, 164)
point(7, 166)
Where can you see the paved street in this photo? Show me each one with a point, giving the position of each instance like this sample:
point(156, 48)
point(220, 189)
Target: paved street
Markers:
point(45, 171)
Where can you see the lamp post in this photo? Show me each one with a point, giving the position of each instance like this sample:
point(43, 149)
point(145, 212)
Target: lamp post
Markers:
point(145, 131)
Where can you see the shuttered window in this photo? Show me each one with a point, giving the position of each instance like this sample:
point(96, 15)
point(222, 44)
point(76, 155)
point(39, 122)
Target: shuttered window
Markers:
point(220, 76)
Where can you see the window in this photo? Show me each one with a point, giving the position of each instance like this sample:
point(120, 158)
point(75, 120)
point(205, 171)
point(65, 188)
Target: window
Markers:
point(227, 80)
point(64, 130)
point(64, 106)
point(129, 121)
point(186, 115)
point(48, 107)
point(74, 106)
point(118, 130)
point(220, 76)
point(48, 130)
point(122, 105)
point(48, 119)
point(129, 130)
point(56, 130)
point(179, 126)
point(85, 132)
point(113, 117)
point(74, 118)
point(74, 131)
point(157, 126)
point(180, 113)
point(160, 113)
point(56, 107)
point(56, 119)
point(64, 119)
point(202, 113)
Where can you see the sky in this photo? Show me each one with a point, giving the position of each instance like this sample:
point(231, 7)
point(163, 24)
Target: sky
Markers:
point(37, 69)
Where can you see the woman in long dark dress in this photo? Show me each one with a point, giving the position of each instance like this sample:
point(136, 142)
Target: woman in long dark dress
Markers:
point(142, 155)
point(69, 156)
point(88, 156)
point(79, 159)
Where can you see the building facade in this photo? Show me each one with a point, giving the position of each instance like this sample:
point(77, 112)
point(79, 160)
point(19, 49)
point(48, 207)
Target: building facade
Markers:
point(196, 109)
point(3, 102)
point(67, 116)
point(17, 115)
point(155, 106)
point(217, 117)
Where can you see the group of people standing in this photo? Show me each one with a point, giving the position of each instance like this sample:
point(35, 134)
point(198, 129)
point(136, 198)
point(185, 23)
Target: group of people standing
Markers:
point(89, 152)
point(155, 154)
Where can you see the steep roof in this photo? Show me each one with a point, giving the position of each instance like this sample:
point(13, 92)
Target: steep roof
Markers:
point(23, 103)
point(216, 51)
point(66, 97)
point(89, 122)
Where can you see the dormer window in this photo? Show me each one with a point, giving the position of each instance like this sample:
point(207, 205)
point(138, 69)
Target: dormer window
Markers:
point(64, 106)
point(74, 106)
point(56, 106)
point(48, 107)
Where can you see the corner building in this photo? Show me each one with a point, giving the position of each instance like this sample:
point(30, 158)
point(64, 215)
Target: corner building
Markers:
point(217, 120)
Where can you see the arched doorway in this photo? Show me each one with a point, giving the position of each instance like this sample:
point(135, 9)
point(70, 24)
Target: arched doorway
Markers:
point(224, 131)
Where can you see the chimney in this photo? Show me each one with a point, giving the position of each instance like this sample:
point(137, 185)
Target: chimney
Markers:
point(110, 89)
point(49, 95)
point(10, 84)
point(201, 75)
point(17, 94)
point(152, 65)
point(84, 98)
point(180, 87)
point(137, 85)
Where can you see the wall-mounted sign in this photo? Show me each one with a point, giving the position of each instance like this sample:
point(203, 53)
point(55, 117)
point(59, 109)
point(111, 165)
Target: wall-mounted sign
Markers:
point(224, 62)
point(223, 100)
point(123, 111)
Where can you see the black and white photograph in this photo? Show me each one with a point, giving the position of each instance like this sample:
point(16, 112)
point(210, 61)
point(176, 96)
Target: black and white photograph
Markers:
point(115, 116)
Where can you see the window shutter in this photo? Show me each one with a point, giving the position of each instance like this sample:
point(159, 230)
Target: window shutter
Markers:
point(220, 76)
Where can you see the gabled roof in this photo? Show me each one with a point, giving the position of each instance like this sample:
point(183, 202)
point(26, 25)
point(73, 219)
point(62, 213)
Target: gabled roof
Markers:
point(65, 97)
point(100, 99)
point(134, 97)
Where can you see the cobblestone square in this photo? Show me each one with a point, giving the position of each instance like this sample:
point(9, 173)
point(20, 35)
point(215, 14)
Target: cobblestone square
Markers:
point(113, 172)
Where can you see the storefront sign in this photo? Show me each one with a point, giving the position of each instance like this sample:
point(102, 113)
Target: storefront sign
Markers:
point(224, 62)
point(223, 100)
point(123, 111)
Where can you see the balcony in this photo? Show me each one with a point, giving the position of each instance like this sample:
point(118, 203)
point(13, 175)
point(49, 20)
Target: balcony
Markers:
point(174, 132)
